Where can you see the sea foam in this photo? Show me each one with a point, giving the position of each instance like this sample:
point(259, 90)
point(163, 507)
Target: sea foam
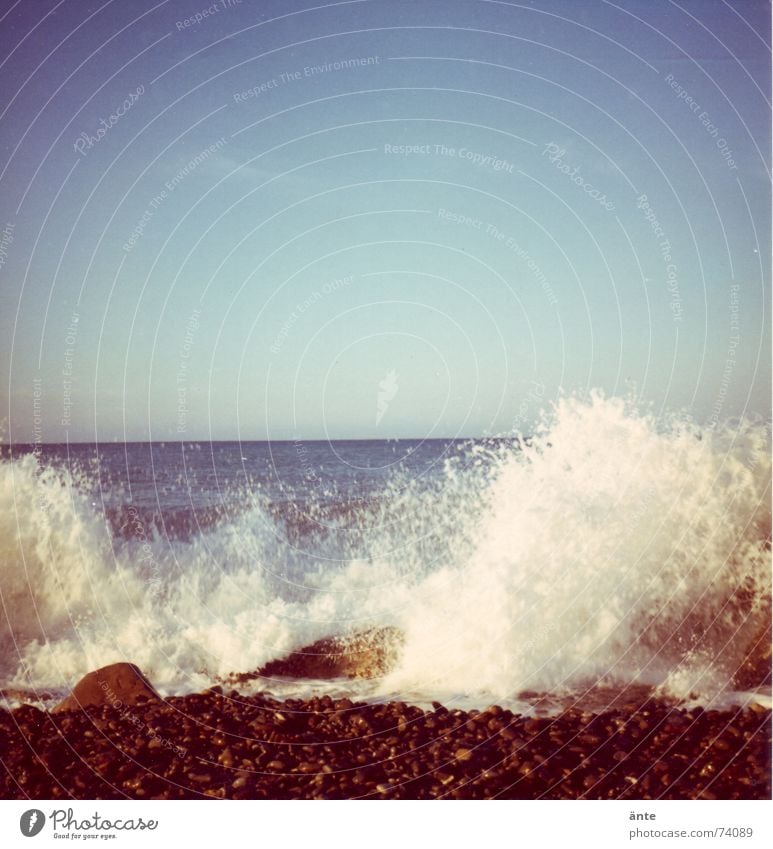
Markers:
point(610, 548)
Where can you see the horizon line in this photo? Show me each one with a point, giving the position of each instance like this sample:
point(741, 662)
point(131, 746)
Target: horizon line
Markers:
point(267, 441)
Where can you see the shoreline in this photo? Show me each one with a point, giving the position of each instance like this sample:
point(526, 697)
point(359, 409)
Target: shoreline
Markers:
point(217, 745)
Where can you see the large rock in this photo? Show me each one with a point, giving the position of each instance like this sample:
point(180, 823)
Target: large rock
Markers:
point(368, 654)
point(118, 684)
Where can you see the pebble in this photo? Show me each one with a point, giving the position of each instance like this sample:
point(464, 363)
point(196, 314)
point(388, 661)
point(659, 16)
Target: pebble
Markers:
point(258, 747)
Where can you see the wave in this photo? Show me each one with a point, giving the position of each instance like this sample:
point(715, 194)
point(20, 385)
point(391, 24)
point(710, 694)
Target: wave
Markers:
point(610, 548)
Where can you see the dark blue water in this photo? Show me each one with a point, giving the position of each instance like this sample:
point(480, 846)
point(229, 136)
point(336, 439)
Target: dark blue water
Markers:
point(181, 488)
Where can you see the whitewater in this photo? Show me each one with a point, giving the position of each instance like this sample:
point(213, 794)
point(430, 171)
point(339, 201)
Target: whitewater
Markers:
point(611, 548)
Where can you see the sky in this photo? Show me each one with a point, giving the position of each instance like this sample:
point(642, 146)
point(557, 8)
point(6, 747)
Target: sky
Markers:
point(376, 218)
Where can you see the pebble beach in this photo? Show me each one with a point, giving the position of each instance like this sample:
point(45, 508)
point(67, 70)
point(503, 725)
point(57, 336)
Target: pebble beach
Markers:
point(221, 745)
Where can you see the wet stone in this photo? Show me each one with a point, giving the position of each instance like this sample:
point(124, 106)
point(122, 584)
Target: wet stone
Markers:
point(259, 747)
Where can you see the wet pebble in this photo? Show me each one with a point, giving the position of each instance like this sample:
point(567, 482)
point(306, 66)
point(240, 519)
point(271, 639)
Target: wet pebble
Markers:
point(257, 747)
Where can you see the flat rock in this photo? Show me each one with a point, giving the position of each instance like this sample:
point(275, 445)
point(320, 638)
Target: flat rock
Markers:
point(367, 654)
point(118, 684)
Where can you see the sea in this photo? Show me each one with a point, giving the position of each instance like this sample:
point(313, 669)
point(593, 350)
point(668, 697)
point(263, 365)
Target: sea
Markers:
point(610, 550)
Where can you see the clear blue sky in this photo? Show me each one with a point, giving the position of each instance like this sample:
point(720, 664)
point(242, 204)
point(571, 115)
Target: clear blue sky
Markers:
point(340, 176)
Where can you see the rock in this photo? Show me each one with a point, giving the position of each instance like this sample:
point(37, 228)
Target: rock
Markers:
point(117, 685)
point(368, 654)
point(754, 669)
point(226, 758)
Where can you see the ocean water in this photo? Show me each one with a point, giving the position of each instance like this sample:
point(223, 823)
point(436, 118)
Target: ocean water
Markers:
point(609, 550)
